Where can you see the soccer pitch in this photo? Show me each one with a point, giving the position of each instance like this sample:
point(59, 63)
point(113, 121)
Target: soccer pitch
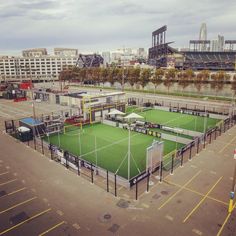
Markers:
point(174, 119)
point(107, 147)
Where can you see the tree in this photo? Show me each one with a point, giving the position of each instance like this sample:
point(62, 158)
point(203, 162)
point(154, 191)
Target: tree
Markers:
point(133, 75)
point(145, 76)
point(185, 78)
point(104, 74)
point(158, 77)
point(199, 81)
point(217, 82)
point(170, 76)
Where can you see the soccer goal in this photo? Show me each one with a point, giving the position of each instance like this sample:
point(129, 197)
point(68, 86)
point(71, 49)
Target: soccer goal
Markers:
point(73, 127)
point(154, 155)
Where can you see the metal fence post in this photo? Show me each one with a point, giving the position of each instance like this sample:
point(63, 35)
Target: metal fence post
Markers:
point(182, 159)
point(115, 187)
point(190, 153)
point(107, 181)
point(91, 172)
point(172, 165)
point(34, 143)
point(42, 146)
point(148, 177)
point(161, 171)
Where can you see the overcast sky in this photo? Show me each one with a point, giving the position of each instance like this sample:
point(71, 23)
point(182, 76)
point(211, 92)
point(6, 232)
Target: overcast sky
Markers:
point(99, 25)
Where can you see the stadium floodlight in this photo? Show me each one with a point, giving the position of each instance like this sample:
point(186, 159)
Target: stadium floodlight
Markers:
point(130, 118)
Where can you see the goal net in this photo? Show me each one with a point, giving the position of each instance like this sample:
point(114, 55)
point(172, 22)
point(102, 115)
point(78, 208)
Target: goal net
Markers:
point(73, 127)
point(154, 155)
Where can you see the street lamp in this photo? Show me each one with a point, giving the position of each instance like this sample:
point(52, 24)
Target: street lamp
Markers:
point(130, 118)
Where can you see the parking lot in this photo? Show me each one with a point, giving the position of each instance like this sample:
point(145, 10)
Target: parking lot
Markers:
point(13, 110)
point(40, 197)
point(23, 212)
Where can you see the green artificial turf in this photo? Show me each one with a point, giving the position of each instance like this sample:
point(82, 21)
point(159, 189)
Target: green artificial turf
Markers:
point(174, 119)
point(112, 145)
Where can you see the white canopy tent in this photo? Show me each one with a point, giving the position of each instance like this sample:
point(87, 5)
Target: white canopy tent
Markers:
point(133, 116)
point(116, 112)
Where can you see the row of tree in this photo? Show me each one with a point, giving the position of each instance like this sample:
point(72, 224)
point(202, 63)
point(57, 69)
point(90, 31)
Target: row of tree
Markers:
point(143, 76)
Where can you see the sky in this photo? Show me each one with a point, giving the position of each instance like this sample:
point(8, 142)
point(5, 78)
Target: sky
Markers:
point(101, 25)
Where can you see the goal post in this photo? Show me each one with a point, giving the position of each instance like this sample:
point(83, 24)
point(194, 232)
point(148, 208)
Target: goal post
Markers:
point(69, 128)
point(154, 155)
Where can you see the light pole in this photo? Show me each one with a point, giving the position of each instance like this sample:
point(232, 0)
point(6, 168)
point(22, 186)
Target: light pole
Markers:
point(232, 193)
point(129, 118)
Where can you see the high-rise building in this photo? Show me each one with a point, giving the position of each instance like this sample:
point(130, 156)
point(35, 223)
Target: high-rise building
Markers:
point(221, 43)
point(203, 36)
point(66, 52)
point(34, 52)
point(44, 67)
point(141, 53)
point(106, 57)
point(217, 45)
point(214, 45)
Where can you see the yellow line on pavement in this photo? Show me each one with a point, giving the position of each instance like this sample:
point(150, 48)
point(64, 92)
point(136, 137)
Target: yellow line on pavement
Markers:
point(227, 145)
point(16, 191)
point(52, 228)
point(25, 221)
point(19, 204)
point(8, 182)
point(226, 220)
point(11, 193)
point(172, 196)
point(203, 199)
point(198, 193)
point(4, 173)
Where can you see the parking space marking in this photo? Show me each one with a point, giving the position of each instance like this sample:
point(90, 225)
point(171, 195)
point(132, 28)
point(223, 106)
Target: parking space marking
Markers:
point(18, 204)
point(227, 145)
point(196, 192)
point(16, 191)
point(9, 181)
point(11, 193)
point(173, 195)
point(226, 220)
point(196, 231)
point(52, 228)
point(4, 173)
point(202, 200)
point(25, 221)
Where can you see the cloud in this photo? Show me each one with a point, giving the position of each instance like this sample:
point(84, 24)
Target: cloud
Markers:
point(102, 25)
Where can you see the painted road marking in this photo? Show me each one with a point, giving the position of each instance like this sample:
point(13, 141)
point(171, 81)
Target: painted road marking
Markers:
point(203, 199)
point(227, 145)
point(25, 221)
point(16, 191)
point(9, 181)
point(198, 193)
point(196, 231)
point(19, 204)
point(170, 218)
point(172, 196)
point(226, 219)
point(52, 228)
point(4, 173)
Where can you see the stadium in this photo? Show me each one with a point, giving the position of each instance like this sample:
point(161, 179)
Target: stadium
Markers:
point(197, 57)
